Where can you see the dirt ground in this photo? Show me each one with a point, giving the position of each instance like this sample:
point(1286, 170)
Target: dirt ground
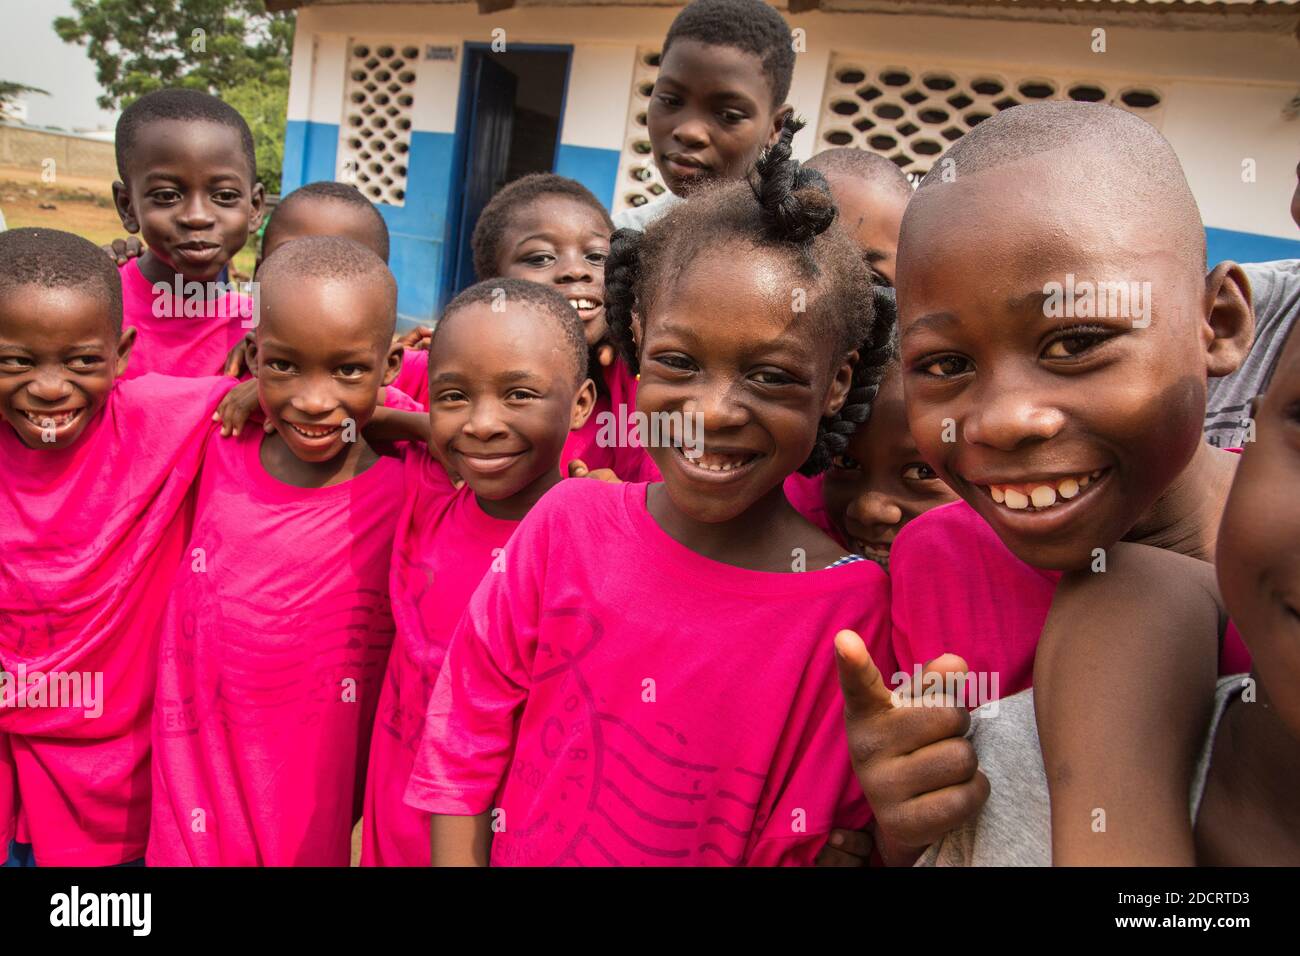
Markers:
point(80, 205)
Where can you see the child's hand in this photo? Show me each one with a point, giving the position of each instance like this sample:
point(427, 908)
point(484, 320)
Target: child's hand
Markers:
point(237, 407)
point(418, 338)
point(846, 848)
point(237, 359)
point(121, 251)
point(915, 766)
point(579, 469)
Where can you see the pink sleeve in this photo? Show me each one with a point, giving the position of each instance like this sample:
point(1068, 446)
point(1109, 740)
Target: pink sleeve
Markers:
point(470, 724)
point(395, 398)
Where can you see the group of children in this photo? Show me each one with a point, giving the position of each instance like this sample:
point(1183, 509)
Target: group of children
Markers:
point(271, 569)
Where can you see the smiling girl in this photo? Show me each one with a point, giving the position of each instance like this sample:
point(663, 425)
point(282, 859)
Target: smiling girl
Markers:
point(644, 711)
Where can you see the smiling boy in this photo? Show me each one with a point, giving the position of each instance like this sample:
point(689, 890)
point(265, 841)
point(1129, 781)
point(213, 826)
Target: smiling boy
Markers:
point(189, 186)
point(719, 99)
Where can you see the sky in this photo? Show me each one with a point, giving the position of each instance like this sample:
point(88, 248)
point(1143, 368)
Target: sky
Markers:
point(32, 53)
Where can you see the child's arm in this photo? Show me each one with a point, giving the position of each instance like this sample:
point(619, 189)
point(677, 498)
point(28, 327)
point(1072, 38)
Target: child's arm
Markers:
point(461, 841)
point(392, 425)
point(237, 407)
point(1123, 684)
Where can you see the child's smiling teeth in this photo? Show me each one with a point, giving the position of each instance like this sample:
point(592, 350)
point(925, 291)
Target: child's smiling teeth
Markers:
point(710, 461)
point(52, 419)
point(314, 431)
point(582, 305)
point(1041, 494)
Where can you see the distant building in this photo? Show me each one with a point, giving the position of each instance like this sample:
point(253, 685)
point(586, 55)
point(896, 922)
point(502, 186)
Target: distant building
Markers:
point(422, 107)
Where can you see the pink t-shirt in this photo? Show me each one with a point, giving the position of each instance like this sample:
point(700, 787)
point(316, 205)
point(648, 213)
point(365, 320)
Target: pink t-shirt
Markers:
point(445, 544)
point(806, 496)
point(174, 342)
point(91, 536)
point(273, 651)
point(664, 710)
point(956, 588)
point(413, 379)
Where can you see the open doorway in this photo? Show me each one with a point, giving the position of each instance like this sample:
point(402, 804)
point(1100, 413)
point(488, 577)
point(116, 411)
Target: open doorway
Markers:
point(511, 106)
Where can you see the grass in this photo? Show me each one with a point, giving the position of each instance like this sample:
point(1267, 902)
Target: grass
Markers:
point(82, 206)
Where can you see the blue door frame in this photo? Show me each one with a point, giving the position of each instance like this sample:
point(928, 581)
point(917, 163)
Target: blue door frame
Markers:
point(456, 179)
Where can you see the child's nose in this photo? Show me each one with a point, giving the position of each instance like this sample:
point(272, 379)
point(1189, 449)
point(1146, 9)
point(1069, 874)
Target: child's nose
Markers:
point(875, 512)
point(315, 400)
point(717, 408)
point(484, 421)
point(693, 132)
point(50, 386)
point(1008, 419)
point(574, 268)
point(196, 213)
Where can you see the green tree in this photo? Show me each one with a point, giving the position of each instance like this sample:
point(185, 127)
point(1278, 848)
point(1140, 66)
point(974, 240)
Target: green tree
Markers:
point(234, 49)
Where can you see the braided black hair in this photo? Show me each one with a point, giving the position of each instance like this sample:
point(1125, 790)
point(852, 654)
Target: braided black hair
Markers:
point(784, 207)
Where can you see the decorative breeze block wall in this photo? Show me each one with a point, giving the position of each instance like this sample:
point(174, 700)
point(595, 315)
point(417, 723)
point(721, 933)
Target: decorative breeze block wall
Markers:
point(911, 115)
point(638, 180)
point(375, 135)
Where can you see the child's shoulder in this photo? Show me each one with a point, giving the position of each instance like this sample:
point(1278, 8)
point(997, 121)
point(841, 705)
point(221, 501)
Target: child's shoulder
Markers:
point(153, 395)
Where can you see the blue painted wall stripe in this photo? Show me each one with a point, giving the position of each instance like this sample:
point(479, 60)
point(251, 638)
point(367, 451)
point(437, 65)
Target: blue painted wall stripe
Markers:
point(594, 168)
point(1224, 244)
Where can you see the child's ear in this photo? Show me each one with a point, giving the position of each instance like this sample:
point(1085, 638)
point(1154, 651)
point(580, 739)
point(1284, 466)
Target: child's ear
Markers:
point(393, 365)
point(839, 390)
point(583, 403)
point(251, 357)
point(1230, 319)
point(778, 122)
point(258, 201)
point(125, 342)
point(122, 203)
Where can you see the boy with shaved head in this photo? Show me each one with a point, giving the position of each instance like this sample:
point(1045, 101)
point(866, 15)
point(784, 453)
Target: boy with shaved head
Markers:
point(1065, 414)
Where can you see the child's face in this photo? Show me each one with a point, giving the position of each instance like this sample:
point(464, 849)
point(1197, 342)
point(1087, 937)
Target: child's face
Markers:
point(59, 358)
point(1060, 431)
point(320, 363)
point(320, 217)
point(190, 194)
point(881, 483)
point(710, 114)
point(1257, 558)
point(872, 216)
point(502, 398)
point(558, 240)
point(725, 347)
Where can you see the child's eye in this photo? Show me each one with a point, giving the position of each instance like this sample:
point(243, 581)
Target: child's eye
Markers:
point(845, 463)
point(678, 363)
point(280, 365)
point(732, 117)
point(451, 397)
point(15, 363)
point(81, 363)
point(539, 259)
point(227, 195)
point(919, 471)
point(352, 371)
point(597, 258)
point(1075, 343)
point(164, 195)
point(668, 99)
point(521, 395)
point(945, 366)
point(772, 377)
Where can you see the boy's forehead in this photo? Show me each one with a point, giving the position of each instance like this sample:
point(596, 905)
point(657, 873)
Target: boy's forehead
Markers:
point(61, 313)
point(712, 69)
point(185, 144)
point(521, 335)
point(310, 308)
point(553, 214)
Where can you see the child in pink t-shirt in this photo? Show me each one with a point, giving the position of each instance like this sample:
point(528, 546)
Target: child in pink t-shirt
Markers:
point(189, 186)
point(503, 433)
point(95, 477)
point(279, 626)
point(650, 679)
point(549, 229)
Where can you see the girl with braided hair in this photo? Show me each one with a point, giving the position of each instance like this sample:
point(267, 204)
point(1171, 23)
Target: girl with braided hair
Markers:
point(650, 677)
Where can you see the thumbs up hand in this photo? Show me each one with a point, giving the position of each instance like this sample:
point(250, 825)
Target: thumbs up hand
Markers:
point(915, 766)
